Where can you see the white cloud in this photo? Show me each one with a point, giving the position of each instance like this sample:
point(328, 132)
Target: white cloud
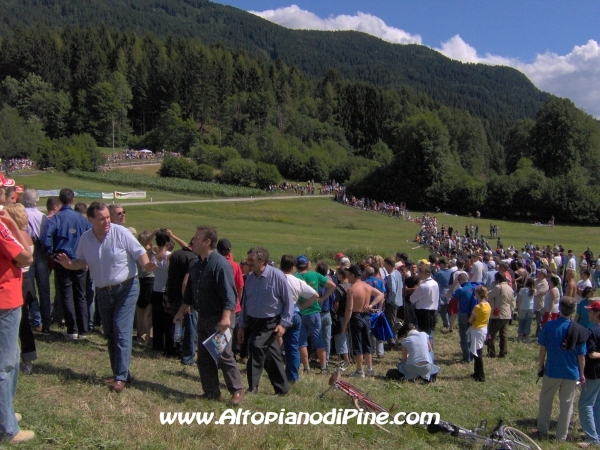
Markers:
point(575, 75)
point(299, 19)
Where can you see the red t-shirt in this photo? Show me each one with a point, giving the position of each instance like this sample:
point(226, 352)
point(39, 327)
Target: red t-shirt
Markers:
point(11, 296)
point(238, 279)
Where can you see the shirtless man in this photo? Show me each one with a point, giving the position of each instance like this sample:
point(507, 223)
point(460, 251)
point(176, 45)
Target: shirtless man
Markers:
point(360, 296)
point(571, 284)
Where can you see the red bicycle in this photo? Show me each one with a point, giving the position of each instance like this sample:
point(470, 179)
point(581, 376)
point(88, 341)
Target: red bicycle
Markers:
point(360, 399)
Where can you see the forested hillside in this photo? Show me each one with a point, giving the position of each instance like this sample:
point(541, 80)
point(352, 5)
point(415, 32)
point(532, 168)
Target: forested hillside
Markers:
point(254, 102)
point(257, 120)
point(497, 95)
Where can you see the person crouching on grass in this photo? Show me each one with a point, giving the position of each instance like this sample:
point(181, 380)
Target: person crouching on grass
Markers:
point(478, 331)
point(417, 355)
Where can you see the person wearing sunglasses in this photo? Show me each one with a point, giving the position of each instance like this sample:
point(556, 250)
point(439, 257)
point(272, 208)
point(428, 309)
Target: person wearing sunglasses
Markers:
point(117, 214)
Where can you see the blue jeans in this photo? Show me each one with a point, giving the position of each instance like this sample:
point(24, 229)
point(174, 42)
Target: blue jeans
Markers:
point(311, 326)
point(326, 331)
point(444, 315)
point(291, 340)
point(190, 337)
point(596, 279)
point(525, 319)
point(89, 298)
point(342, 343)
point(117, 308)
point(589, 410)
point(411, 371)
point(41, 312)
point(377, 345)
point(463, 326)
point(9, 369)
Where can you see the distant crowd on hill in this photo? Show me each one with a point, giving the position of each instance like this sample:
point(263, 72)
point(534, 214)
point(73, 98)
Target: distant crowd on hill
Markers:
point(139, 154)
point(13, 164)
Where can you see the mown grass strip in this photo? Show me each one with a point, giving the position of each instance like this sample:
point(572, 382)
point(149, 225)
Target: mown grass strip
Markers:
point(168, 184)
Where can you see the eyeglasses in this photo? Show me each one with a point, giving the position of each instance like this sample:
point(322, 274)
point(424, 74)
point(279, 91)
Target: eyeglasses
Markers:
point(121, 213)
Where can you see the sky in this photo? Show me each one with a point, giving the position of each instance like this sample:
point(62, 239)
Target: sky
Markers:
point(556, 43)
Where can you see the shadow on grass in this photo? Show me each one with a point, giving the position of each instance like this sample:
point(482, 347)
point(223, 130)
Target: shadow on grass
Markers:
point(68, 375)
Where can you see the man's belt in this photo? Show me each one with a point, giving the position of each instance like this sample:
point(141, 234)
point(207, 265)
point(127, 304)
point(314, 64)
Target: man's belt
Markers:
point(114, 287)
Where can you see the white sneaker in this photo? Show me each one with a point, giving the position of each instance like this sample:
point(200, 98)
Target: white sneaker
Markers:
point(72, 337)
point(358, 374)
point(370, 373)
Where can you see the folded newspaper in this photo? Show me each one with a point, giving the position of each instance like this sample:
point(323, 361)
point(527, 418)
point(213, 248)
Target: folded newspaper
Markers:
point(216, 343)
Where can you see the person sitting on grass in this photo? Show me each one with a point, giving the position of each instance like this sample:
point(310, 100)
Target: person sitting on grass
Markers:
point(417, 355)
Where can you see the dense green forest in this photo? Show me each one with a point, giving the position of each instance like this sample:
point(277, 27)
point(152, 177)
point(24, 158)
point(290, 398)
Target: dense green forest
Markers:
point(256, 120)
point(497, 95)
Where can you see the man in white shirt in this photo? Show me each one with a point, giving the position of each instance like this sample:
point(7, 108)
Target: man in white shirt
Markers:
point(426, 300)
point(571, 261)
point(582, 284)
point(478, 270)
point(110, 252)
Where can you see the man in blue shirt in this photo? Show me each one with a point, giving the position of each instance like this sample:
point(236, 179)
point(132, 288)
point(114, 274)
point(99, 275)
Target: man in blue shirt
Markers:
point(561, 361)
point(466, 303)
point(378, 284)
point(62, 236)
point(267, 310)
point(442, 277)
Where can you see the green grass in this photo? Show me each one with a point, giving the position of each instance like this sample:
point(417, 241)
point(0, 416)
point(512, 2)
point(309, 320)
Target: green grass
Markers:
point(67, 406)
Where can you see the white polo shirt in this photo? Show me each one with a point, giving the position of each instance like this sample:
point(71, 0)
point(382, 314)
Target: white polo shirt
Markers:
point(111, 261)
point(427, 295)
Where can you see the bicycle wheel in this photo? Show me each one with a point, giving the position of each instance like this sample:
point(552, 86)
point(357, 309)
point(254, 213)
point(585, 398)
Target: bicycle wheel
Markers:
point(370, 406)
point(518, 437)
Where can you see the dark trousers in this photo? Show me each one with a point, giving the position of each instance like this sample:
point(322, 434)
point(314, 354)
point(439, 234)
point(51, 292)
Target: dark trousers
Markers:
point(265, 352)
point(72, 286)
point(478, 372)
point(498, 326)
point(28, 350)
point(208, 368)
point(162, 326)
point(425, 320)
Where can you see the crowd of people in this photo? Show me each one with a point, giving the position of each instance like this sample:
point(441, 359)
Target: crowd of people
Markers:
point(392, 209)
point(132, 154)
point(12, 164)
point(108, 275)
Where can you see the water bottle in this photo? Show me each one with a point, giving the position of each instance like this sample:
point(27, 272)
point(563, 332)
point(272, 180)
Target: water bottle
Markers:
point(178, 332)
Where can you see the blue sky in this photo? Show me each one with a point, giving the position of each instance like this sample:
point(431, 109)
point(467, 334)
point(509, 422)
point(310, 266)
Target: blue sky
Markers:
point(555, 43)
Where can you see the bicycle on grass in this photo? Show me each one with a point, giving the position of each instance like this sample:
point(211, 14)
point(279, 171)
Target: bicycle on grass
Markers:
point(360, 399)
point(502, 438)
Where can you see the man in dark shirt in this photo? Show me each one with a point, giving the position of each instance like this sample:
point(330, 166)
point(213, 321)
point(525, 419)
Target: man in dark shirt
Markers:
point(180, 264)
point(211, 291)
point(589, 399)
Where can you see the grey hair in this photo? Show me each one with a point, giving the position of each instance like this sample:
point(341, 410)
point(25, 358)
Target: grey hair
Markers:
point(262, 254)
point(29, 198)
point(111, 208)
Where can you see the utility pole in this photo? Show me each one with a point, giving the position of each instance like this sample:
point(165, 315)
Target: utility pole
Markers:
point(113, 141)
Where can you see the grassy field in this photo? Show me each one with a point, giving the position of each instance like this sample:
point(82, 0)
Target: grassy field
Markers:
point(67, 406)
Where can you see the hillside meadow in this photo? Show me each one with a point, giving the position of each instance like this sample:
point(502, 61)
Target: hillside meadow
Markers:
point(66, 404)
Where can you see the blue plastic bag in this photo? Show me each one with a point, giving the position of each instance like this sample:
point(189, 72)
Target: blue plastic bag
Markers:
point(380, 327)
